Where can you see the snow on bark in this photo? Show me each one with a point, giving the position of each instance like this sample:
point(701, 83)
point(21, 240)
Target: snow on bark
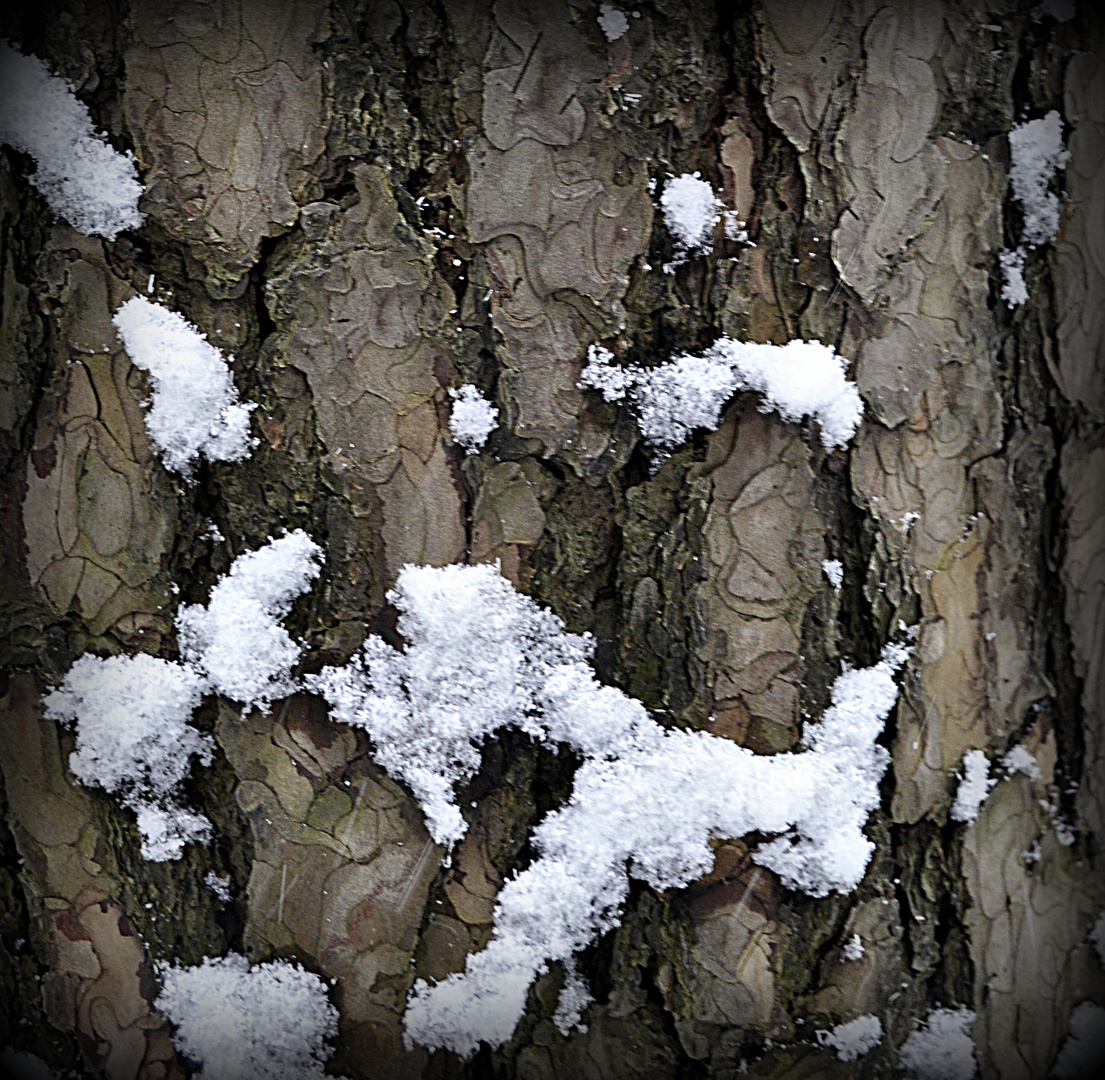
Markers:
point(853, 1039)
point(83, 179)
point(236, 641)
point(974, 786)
point(132, 718)
point(194, 408)
point(799, 379)
point(472, 418)
point(269, 1022)
point(940, 1046)
point(645, 802)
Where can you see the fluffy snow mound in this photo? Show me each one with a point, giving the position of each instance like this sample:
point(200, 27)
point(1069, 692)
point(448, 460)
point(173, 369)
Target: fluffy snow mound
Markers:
point(83, 179)
point(269, 1022)
point(645, 802)
point(799, 379)
point(237, 641)
point(133, 736)
point(940, 1047)
point(472, 419)
point(194, 405)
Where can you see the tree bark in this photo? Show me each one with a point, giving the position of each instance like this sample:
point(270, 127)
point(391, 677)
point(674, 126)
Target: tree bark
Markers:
point(367, 203)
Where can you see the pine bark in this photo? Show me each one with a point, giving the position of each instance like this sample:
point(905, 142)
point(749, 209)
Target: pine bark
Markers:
point(369, 202)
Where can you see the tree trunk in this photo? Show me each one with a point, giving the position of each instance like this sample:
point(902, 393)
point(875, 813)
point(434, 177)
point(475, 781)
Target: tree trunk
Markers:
point(369, 202)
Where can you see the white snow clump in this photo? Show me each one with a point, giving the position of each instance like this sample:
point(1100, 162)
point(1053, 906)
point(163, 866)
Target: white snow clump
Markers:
point(853, 948)
point(1020, 760)
point(194, 406)
point(132, 712)
point(940, 1046)
point(853, 1039)
point(472, 419)
point(482, 657)
point(801, 378)
point(613, 22)
point(269, 1022)
point(1037, 152)
point(133, 737)
point(691, 210)
point(83, 179)
point(1083, 1054)
point(237, 642)
point(575, 996)
point(974, 786)
point(834, 571)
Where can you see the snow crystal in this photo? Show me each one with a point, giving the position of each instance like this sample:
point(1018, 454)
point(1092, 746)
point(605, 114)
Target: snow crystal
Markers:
point(237, 641)
point(834, 571)
point(240, 1023)
point(613, 22)
point(1097, 937)
point(83, 179)
point(691, 210)
point(220, 886)
point(194, 405)
point(853, 948)
point(575, 996)
point(1083, 1053)
point(853, 1039)
point(973, 787)
point(1013, 290)
point(1020, 760)
point(473, 418)
point(940, 1047)
point(17, 1065)
point(482, 657)
point(1037, 151)
point(133, 737)
point(801, 378)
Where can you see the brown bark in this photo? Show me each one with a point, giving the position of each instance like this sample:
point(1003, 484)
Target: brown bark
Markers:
point(368, 203)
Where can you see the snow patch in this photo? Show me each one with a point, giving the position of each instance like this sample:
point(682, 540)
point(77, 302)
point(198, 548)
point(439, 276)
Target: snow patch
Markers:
point(1014, 291)
point(853, 1039)
point(974, 786)
point(1019, 760)
point(940, 1046)
point(613, 22)
point(83, 179)
point(237, 641)
point(691, 210)
point(482, 657)
point(472, 419)
point(799, 379)
point(194, 405)
point(1038, 154)
point(834, 571)
point(133, 737)
point(853, 948)
point(1083, 1053)
point(269, 1022)
point(575, 996)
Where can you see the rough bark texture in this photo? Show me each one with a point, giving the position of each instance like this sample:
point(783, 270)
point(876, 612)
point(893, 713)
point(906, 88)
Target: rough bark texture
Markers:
point(368, 202)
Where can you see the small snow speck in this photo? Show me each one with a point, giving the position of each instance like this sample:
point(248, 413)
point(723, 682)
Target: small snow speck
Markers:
point(974, 786)
point(834, 571)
